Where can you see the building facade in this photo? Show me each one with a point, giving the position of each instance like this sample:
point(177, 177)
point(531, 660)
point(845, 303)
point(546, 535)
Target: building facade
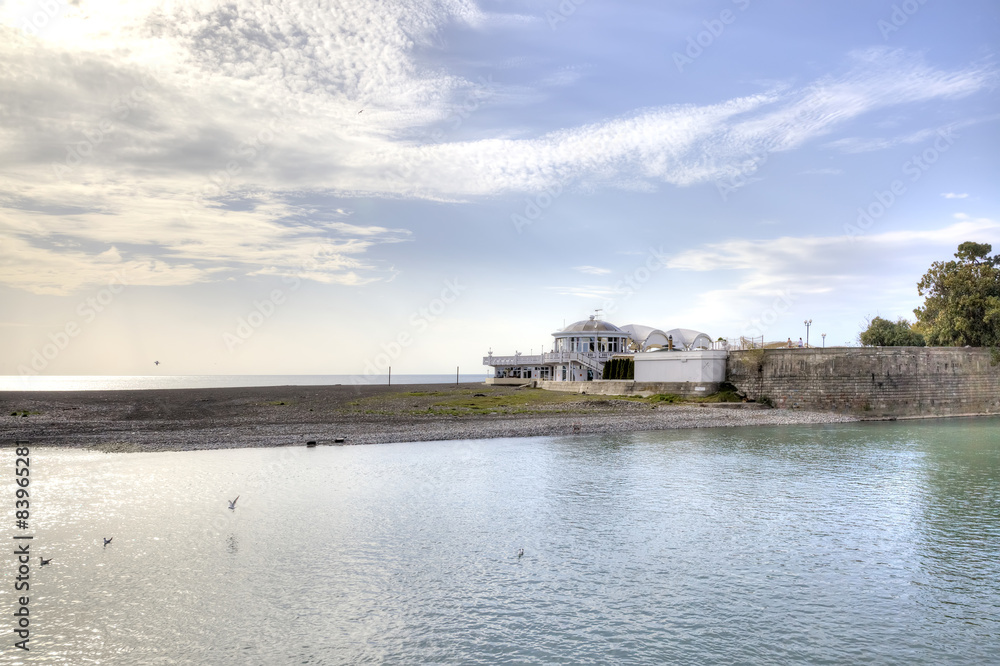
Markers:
point(580, 351)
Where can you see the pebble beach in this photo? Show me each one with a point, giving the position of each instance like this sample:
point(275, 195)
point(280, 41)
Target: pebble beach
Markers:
point(219, 418)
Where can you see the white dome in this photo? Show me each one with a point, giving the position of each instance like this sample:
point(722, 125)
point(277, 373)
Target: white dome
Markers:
point(590, 326)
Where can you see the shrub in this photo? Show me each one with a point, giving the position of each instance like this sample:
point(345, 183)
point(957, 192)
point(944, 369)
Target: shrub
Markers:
point(884, 333)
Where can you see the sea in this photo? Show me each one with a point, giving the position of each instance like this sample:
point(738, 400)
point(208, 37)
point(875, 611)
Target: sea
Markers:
point(874, 543)
point(136, 382)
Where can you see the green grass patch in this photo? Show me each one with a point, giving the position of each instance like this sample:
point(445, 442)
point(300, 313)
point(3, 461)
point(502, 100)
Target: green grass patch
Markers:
point(668, 398)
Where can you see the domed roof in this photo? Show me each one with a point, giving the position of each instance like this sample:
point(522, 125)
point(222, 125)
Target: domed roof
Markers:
point(591, 325)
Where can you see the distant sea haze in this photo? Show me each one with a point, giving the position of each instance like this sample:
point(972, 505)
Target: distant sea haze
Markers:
point(142, 382)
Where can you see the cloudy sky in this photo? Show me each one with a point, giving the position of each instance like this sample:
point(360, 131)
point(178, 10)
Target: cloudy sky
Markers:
point(292, 187)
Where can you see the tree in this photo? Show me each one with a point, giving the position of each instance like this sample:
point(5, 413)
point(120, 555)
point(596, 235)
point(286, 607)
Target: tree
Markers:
point(884, 333)
point(962, 304)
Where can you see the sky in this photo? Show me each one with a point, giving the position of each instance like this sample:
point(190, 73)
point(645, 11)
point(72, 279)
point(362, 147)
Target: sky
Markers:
point(334, 187)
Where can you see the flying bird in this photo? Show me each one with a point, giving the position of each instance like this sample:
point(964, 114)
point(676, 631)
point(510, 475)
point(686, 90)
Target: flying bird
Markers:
point(520, 553)
point(156, 362)
point(361, 111)
point(107, 540)
point(45, 561)
point(232, 503)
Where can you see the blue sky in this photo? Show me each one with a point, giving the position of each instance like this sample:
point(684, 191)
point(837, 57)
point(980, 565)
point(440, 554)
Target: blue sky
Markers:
point(291, 187)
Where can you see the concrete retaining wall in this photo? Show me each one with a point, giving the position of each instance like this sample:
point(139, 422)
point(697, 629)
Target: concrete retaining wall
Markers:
point(872, 381)
point(625, 387)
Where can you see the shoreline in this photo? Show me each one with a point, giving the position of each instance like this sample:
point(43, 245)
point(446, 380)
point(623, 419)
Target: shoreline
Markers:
point(274, 416)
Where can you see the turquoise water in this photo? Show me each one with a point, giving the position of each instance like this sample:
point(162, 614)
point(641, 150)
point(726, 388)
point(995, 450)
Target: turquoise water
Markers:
point(134, 382)
point(849, 543)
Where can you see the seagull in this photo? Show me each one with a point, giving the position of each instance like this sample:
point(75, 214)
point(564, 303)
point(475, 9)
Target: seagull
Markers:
point(232, 503)
point(45, 561)
point(520, 553)
point(107, 540)
point(361, 111)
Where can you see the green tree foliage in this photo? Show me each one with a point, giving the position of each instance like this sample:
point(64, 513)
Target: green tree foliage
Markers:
point(962, 299)
point(885, 333)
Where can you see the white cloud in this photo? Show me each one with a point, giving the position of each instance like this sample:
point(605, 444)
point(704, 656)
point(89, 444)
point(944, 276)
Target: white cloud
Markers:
point(828, 272)
point(591, 291)
point(184, 134)
point(858, 145)
point(953, 195)
point(592, 270)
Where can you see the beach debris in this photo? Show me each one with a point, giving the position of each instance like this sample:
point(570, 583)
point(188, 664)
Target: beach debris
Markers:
point(311, 442)
point(338, 440)
point(107, 540)
point(232, 503)
point(44, 561)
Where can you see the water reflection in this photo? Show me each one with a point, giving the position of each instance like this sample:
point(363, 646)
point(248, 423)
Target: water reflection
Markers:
point(857, 542)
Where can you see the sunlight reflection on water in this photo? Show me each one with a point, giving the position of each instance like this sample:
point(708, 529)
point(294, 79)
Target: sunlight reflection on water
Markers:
point(852, 542)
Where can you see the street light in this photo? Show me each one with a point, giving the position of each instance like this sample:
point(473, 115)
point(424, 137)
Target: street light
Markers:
point(824, 340)
point(808, 323)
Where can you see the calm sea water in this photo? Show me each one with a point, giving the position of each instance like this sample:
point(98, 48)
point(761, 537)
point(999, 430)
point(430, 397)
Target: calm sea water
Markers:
point(115, 382)
point(852, 543)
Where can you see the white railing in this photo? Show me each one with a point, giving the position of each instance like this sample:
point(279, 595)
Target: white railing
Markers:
point(594, 361)
point(516, 359)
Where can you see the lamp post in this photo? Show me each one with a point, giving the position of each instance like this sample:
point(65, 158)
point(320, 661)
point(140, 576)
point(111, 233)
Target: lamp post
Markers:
point(808, 323)
point(824, 340)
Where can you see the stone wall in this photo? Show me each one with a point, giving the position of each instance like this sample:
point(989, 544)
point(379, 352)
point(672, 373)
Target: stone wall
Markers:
point(871, 381)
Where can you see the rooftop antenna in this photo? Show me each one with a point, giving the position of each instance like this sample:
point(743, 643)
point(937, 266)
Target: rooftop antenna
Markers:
point(598, 313)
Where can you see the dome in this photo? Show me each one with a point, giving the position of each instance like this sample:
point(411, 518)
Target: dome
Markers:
point(590, 326)
point(690, 339)
point(646, 337)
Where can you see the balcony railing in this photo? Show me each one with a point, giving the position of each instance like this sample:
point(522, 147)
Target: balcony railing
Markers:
point(592, 360)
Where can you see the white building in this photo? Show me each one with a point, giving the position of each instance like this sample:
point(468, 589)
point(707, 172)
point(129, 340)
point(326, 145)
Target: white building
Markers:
point(581, 349)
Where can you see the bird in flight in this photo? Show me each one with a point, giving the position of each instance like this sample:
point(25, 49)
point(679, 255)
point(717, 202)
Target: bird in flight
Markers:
point(361, 111)
point(107, 540)
point(45, 561)
point(520, 553)
point(156, 362)
point(232, 503)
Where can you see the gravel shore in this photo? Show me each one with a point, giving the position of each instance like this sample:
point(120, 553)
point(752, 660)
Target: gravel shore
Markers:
point(190, 419)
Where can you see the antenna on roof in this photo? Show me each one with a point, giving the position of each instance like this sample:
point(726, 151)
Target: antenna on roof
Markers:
point(597, 314)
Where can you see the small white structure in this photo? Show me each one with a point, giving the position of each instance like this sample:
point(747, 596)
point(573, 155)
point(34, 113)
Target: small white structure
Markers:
point(581, 349)
point(696, 367)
